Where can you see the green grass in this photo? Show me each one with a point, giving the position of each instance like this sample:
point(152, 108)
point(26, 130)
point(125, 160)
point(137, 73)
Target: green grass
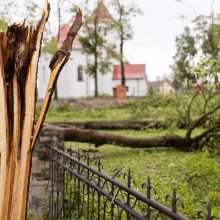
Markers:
point(55, 115)
point(195, 175)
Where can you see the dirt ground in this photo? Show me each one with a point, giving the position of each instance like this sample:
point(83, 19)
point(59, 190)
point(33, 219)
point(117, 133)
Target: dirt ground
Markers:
point(79, 104)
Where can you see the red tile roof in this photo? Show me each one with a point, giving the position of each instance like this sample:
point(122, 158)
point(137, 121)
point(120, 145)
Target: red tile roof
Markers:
point(63, 33)
point(102, 14)
point(132, 71)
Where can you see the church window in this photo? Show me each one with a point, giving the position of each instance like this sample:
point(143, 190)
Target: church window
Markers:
point(80, 73)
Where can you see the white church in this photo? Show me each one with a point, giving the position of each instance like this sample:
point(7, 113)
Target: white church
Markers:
point(74, 83)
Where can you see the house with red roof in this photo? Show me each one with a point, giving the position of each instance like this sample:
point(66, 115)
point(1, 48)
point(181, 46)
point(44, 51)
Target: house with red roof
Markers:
point(135, 76)
point(75, 83)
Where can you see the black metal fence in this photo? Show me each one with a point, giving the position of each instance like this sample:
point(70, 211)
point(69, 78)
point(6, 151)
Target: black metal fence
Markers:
point(79, 190)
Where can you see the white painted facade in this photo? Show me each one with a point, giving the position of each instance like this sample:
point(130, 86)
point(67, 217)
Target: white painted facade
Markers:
point(70, 87)
point(135, 87)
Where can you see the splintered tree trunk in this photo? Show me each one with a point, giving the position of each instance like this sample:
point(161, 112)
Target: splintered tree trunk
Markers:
point(19, 53)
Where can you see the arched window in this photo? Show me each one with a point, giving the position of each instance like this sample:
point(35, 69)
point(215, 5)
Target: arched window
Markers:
point(80, 73)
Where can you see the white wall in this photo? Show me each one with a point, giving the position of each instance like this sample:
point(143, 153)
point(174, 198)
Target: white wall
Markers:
point(135, 87)
point(43, 75)
point(68, 84)
point(105, 84)
point(70, 88)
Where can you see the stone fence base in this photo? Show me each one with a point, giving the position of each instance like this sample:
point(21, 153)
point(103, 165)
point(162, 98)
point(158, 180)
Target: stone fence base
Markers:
point(39, 181)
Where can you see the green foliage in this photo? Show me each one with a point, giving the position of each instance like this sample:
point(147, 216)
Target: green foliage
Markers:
point(50, 46)
point(184, 58)
point(122, 25)
point(94, 43)
point(123, 14)
point(198, 52)
point(31, 215)
point(211, 42)
point(153, 105)
point(200, 174)
point(3, 25)
point(7, 11)
point(195, 175)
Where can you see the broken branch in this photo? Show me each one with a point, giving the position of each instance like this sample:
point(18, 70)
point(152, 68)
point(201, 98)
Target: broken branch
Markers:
point(56, 65)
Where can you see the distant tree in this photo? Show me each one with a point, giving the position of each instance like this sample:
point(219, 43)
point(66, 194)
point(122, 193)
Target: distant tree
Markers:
point(184, 58)
point(123, 27)
point(198, 48)
point(211, 47)
point(3, 24)
point(94, 43)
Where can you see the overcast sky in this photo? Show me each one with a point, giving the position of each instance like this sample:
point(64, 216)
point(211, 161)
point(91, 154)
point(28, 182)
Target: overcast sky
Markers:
point(154, 33)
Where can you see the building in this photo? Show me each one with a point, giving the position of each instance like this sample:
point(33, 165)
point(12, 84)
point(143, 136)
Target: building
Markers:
point(135, 76)
point(162, 86)
point(75, 83)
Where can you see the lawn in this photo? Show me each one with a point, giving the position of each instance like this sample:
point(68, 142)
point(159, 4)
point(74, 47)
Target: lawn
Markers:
point(195, 175)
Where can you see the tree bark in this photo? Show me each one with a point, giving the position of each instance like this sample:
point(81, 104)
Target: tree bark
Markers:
point(101, 138)
point(121, 29)
point(123, 82)
point(96, 57)
point(113, 125)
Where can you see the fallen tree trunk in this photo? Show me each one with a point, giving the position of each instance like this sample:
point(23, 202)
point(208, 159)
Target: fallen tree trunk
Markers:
point(113, 125)
point(100, 138)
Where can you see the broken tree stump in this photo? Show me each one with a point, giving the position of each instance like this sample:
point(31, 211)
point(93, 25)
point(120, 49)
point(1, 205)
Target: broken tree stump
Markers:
point(19, 55)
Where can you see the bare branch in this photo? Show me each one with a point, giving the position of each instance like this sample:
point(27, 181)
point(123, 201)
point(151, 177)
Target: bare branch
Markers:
point(189, 108)
point(214, 129)
point(203, 118)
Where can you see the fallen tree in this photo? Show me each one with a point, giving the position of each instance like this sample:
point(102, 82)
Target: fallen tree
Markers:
point(186, 143)
point(99, 138)
point(19, 55)
point(113, 125)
